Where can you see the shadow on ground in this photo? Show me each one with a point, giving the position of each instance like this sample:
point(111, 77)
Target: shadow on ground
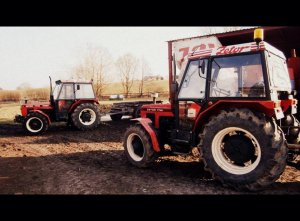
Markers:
point(107, 172)
point(58, 132)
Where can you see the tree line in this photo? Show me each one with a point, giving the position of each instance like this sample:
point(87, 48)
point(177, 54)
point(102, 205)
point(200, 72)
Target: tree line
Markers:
point(97, 63)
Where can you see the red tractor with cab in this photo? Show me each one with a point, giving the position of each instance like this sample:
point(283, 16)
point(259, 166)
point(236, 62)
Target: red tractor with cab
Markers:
point(235, 104)
point(71, 101)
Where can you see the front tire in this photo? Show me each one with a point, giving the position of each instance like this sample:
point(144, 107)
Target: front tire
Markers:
point(86, 116)
point(35, 124)
point(243, 150)
point(138, 147)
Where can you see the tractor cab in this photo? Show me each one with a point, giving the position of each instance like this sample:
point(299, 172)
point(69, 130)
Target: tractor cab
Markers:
point(71, 101)
point(67, 93)
point(251, 73)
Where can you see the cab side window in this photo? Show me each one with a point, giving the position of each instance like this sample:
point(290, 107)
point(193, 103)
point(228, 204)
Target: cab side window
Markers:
point(67, 92)
point(84, 91)
point(194, 82)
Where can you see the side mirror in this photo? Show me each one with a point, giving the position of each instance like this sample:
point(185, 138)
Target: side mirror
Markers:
point(201, 67)
point(78, 87)
point(174, 87)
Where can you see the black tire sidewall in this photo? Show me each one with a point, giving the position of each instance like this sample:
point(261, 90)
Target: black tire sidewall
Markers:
point(75, 116)
point(149, 154)
point(42, 118)
point(267, 152)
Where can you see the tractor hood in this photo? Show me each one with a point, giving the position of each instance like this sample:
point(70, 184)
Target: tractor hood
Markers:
point(35, 106)
point(156, 107)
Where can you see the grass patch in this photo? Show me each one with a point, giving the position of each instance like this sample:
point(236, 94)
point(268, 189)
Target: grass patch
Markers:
point(8, 112)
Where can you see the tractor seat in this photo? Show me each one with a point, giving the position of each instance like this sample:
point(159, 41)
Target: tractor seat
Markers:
point(257, 90)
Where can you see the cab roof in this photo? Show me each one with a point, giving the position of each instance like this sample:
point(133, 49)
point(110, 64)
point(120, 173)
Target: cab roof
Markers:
point(72, 81)
point(236, 49)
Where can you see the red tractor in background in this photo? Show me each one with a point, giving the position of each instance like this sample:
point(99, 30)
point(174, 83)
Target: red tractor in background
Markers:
point(70, 101)
point(235, 104)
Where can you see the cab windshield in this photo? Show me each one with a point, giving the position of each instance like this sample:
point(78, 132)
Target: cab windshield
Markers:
point(56, 91)
point(237, 76)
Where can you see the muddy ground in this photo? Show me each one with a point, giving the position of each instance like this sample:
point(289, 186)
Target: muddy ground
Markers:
point(67, 161)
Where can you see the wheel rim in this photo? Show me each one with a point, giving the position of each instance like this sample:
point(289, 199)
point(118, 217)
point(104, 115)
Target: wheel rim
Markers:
point(34, 124)
point(87, 116)
point(135, 147)
point(236, 150)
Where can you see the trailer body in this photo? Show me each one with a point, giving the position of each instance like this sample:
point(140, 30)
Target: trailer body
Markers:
point(132, 109)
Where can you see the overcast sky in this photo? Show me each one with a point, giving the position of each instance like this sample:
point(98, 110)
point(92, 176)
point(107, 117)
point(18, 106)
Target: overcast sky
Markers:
point(31, 54)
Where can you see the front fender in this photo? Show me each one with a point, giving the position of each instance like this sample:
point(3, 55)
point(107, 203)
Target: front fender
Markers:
point(145, 122)
point(42, 113)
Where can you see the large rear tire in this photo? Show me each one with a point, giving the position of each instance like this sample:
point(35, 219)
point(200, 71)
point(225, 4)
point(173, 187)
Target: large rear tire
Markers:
point(242, 150)
point(86, 116)
point(138, 147)
point(35, 124)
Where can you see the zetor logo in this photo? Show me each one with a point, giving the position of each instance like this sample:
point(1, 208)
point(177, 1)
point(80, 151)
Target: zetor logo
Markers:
point(230, 50)
point(155, 109)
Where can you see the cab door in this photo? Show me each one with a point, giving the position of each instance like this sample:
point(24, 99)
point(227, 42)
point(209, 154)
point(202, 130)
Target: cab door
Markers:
point(191, 96)
point(65, 100)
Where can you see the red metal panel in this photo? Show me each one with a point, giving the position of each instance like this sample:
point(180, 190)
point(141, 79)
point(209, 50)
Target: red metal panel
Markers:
point(172, 96)
point(294, 63)
point(157, 106)
point(159, 110)
point(81, 102)
point(24, 110)
point(285, 104)
point(61, 104)
point(42, 113)
point(266, 107)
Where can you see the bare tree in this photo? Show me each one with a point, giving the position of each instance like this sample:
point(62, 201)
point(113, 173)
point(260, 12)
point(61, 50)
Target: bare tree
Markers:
point(145, 70)
point(96, 65)
point(127, 65)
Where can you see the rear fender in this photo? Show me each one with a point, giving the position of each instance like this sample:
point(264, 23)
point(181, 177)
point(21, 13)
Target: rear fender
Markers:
point(42, 113)
point(78, 102)
point(145, 122)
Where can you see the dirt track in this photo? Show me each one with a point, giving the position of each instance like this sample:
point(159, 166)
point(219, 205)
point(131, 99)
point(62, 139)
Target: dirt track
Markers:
point(66, 161)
